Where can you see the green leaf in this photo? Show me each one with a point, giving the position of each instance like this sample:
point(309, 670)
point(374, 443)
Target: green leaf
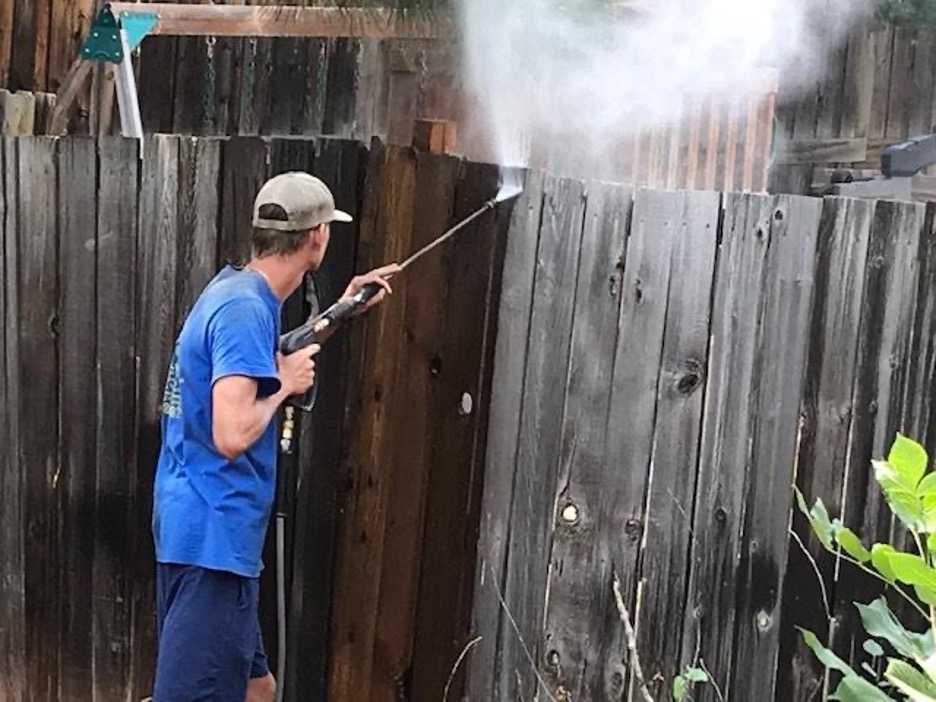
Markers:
point(909, 459)
point(873, 648)
point(913, 570)
point(931, 543)
point(825, 656)
point(910, 681)
point(927, 486)
point(696, 675)
point(855, 689)
point(852, 545)
point(680, 686)
point(879, 621)
point(925, 594)
point(880, 559)
point(821, 524)
point(900, 494)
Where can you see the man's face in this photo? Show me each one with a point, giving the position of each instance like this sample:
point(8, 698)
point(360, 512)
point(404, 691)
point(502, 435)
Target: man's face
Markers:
point(318, 245)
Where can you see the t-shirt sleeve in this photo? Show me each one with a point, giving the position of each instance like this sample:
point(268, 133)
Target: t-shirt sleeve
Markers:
point(242, 336)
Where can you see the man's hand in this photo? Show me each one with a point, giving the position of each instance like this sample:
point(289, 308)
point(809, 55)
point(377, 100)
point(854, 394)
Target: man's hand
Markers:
point(297, 370)
point(378, 276)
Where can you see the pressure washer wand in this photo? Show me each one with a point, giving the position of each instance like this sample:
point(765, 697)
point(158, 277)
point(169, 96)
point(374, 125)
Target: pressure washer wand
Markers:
point(316, 329)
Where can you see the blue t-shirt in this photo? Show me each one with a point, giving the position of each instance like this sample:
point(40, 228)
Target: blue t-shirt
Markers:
point(210, 511)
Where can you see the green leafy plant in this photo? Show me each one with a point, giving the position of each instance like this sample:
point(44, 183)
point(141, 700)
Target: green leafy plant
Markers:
point(684, 682)
point(910, 492)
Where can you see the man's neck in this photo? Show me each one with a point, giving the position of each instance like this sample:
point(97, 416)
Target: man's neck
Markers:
point(282, 274)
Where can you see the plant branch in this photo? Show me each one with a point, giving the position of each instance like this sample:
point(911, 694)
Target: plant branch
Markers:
point(631, 641)
point(815, 566)
point(718, 692)
point(461, 657)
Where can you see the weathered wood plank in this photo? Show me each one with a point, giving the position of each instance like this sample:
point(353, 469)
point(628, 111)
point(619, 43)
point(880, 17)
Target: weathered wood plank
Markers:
point(17, 113)
point(12, 495)
point(322, 442)
point(198, 199)
point(827, 411)
point(287, 21)
point(155, 292)
point(631, 420)
point(244, 170)
point(503, 428)
point(341, 88)
point(401, 107)
point(780, 367)
point(472, 269)
point(38, 409)
point(422, 374)
point(6, 38)
point(921, 84)
point(580, 594)
point(77, 176)
point(68, 25)
point(882, 42)
point(115, 549)
point(901, 83)
point(540, 434)
point(920, 418)
point(190, 86)
point(833, 150)
point(360, 539)
point(724, 452)
point(158, 91)
point(880, 376)
point(859, 85)
point(692, 218)
point(832, 92)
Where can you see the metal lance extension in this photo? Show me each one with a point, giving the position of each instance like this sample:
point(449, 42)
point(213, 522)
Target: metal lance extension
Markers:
point(314, 331)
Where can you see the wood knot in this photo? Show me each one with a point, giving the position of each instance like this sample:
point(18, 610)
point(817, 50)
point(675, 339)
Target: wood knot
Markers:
point(689, 383)
point(435, 366)
point(633, 528)
point(721, 516)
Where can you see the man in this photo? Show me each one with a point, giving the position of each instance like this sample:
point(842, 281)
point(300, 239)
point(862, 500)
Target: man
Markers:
point(216, 475)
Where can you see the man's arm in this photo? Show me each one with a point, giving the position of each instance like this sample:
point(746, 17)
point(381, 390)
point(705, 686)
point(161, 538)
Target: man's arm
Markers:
point(239, 417)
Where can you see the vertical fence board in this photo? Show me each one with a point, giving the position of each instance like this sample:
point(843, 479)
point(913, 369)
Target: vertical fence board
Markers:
point(899, 95)
point(504, 419)
point(692, 224)
point(12, 553)
point(786, 307)
point(540, 430)
point(827, 412)
point(920, 418)
point(882, 41)
point(341, 166)
point(632, 412)
point(155, 291)
point(78, 393)
point(921, 84)
point(360, 545)
point(6, 38)
point(472, 266)
point(880, 374)
point(38, 409)
point(198, 200)
point(244, 164)
point(724, 450)
point(580, 611)
point(157, 92)
point(115, 550)
point(419, 369)
point(342, 89)
point(859, 84)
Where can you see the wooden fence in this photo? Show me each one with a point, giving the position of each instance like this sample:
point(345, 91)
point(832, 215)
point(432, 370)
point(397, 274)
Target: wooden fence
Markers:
point(104, 253)
point(667, 364)
point(601, 388)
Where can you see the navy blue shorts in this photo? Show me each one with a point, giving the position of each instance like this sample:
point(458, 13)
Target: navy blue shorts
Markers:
point(209, 636)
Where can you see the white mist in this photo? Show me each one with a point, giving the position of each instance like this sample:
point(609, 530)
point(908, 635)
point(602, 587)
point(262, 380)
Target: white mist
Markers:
point(577, 74)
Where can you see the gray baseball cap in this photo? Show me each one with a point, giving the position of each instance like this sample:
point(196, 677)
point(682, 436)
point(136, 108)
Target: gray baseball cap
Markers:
point(307, 200)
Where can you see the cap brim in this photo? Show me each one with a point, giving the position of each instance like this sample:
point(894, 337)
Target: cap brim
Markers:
point(340, 216)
